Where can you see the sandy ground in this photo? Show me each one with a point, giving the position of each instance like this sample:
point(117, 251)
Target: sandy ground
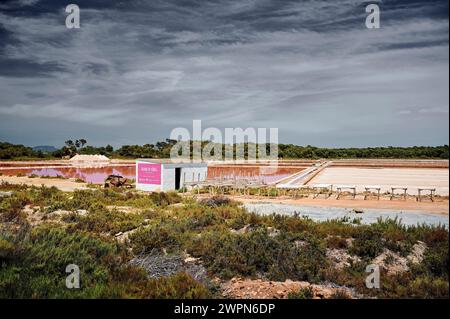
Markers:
point(67, 185)
point(439, 207)
point(412, 178)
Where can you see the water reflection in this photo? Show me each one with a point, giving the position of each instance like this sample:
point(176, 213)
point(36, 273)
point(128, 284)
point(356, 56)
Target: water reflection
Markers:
point(95, 175)
point(267, 175)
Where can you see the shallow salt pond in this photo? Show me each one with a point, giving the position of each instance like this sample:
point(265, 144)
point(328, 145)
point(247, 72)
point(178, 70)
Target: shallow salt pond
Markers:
point(95, 175)
point(369, 216)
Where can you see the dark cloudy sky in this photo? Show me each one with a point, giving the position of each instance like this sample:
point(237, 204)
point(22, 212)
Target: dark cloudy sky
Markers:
point(137, 69)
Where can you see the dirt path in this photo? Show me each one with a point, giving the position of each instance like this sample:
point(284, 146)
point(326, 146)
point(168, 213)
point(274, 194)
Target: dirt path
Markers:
point(439, 207)
point(66, 185)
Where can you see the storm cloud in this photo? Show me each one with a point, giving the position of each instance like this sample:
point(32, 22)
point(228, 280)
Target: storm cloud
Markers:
point(137, 69)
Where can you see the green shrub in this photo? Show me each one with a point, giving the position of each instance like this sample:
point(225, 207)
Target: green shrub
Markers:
point(106, 221)
point(368, 243)
point(34, 267)
point(179, 286)
point(256, 252)
point(229, 241)
point(11, 209)
point(435, 236)
point(215, 201)
point(425, 287)
point(38, 268)
point(6, 249)
point(336, 242)
point(163, 199)
point(340, 294)
point(407, 285)
point(303, 263)
point(435, 263)
point(160, 236)
point(302, 293)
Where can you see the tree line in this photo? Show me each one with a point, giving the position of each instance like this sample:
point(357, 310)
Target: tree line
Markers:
point(162, 149)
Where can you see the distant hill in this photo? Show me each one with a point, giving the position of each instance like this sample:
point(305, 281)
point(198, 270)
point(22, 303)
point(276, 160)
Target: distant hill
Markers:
point(45, 148)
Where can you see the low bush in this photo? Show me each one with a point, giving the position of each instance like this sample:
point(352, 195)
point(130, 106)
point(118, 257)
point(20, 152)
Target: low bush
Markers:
point(340, 294)
point(36, 268)
point(106, 221)
point(160, 236)
point(258, 253)
point(434, 236)
point(435, 263)
point(336, 242)
point(163, 199)
point(179, 286)
point(11, 209)
point(216, 201)
point(368, 243)
point(302, 293)
point(230, 242)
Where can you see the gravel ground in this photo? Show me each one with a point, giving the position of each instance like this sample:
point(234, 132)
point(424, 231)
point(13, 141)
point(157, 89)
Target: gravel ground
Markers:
point(157, 266)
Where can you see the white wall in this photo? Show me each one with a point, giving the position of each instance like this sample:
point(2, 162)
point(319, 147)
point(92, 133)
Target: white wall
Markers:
point(193, 174)
point(189, 173)
point(168, 181)
point(148, 187)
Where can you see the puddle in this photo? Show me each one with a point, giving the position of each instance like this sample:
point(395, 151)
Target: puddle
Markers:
point(327, 213)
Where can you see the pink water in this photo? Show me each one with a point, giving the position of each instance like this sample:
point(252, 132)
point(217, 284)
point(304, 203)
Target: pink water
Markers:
point(95, 175)
point(263, 174)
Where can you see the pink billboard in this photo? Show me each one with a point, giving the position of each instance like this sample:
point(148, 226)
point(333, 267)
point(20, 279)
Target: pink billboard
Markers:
point(149, 173)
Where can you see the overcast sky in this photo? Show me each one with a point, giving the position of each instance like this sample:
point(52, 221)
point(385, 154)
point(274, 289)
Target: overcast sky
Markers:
point(137, 69)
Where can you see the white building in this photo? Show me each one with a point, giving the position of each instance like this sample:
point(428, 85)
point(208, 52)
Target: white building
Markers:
point(155, 175)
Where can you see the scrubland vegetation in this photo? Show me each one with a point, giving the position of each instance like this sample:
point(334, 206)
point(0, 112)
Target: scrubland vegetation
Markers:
point(162, 150)
point(42, 230)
